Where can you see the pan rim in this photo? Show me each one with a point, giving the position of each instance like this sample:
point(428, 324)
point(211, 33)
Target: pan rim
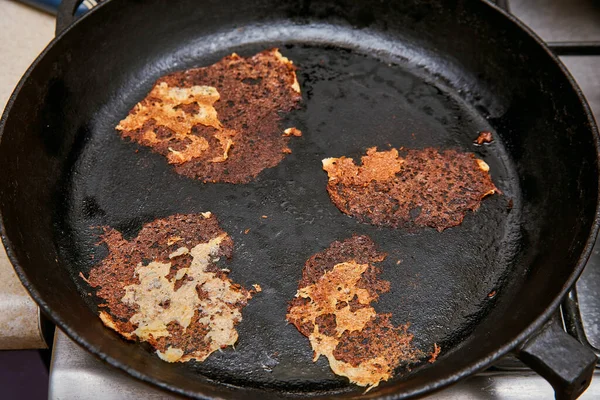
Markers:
point(439, 384)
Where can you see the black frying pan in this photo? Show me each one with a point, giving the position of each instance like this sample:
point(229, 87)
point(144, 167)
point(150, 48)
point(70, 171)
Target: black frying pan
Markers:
point(407, 73)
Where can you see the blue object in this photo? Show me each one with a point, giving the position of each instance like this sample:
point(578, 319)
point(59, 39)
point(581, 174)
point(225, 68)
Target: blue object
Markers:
point(51, 6)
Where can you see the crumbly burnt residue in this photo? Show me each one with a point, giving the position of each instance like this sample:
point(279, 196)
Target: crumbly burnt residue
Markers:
point(484, 137)
point(163, 287)
point(419, 188)
point(220, 123)
point(333, 309)
point(434, 353)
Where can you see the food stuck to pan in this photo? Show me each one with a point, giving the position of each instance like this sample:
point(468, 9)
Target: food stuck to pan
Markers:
point(222, 124)
point(484, 137)
point(165, 288)
point(333, 309)
point(408, 188)
point(164, 285)
point(219, 123)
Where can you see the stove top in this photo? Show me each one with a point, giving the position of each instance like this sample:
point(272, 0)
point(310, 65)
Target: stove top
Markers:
point(572, 28)
point(76, 374)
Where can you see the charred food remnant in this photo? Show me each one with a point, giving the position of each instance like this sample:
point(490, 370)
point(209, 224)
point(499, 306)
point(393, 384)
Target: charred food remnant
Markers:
point(435, 353)
point(409, 188)
point(484, 137)
point(333, 309)
point(292, 132)
point(219, 123)
point(163, 287)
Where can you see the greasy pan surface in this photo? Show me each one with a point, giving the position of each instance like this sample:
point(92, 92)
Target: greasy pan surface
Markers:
point(414, 74)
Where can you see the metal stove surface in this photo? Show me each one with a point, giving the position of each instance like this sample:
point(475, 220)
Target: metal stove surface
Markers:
point(76, 374)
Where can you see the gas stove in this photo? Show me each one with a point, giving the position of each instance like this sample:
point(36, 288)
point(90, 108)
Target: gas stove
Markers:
point(572, 29)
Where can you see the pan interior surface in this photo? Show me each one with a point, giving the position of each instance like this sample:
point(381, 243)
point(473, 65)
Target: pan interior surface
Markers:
point(352, 101)
point(403, 74)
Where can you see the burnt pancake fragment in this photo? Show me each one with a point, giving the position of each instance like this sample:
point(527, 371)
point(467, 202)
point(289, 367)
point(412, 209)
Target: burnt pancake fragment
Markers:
point(484, 137)
point(163, 287)
point(333, 309)
point(219, 123)
point(409, 188)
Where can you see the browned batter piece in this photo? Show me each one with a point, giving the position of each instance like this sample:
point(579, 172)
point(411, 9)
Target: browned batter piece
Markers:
point(416, 188)
point(333, 309)
point(163, 287)
point(220, 123)
point(484, 137)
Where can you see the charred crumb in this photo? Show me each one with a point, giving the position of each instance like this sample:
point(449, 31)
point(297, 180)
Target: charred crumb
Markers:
point(292, 132)
point(435, 353)
point(361, 249)
point(378, 337)
point(484, 137)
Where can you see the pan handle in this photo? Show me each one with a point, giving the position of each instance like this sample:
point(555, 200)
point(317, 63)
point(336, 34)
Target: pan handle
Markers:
point(68, 11)
point(65, 15)
point(564, 362)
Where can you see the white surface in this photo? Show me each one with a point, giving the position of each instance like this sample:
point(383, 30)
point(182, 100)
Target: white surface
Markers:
point(24, 32)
